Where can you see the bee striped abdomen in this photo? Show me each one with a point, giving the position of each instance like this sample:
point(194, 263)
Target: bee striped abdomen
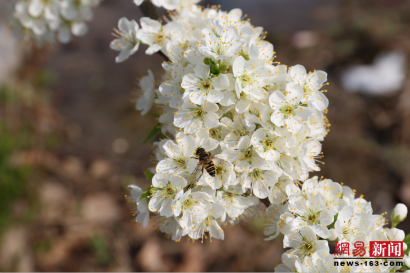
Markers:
point(210, 168)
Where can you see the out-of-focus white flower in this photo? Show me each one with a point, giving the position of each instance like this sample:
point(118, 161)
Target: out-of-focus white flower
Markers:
point(385, 75)
point(140, 211)
point(126, 40)
point(275, 220)
point(303, 39)
point(147, 85)
point(45, 20)
point(157, 3)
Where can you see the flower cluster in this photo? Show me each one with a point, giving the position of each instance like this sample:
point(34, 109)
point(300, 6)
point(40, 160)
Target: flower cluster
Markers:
point(322, 211)
point(260, 120)
point(239, 128)
point(44, 20)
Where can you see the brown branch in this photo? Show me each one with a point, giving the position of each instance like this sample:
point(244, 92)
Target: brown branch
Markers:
point(149, 10)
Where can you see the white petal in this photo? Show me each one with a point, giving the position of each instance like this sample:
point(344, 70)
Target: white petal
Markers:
point(238, 66)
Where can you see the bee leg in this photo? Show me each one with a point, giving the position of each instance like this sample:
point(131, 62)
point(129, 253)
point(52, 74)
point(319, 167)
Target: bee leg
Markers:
point(196, 169)
point(201, 173)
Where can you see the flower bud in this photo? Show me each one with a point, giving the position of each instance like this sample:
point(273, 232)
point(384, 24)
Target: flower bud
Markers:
point(406, 259)
point(395, 234)
point(399, 214)
point(333, 235)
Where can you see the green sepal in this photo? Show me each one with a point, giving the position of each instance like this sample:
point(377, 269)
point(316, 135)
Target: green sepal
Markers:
point(149, 175)
point(222, 68)
point(407, 242)
point(207, 61)
point(332, 225)
point(148, 193)
point(214, 68)
point(153, 133)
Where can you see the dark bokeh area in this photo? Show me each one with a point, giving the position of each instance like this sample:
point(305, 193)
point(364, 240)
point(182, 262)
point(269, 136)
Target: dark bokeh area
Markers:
point(71, 139)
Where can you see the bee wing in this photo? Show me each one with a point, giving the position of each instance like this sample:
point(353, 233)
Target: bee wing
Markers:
point(221, 162)
point(199, 170)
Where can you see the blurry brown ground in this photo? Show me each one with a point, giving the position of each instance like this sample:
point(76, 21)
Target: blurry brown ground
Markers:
point(71, 214)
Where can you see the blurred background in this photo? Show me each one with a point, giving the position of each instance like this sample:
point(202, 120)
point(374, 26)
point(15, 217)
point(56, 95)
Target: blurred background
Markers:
point(70, 139)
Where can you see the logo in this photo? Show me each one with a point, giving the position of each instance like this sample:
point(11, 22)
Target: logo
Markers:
point(377, 249)
point(386, 249)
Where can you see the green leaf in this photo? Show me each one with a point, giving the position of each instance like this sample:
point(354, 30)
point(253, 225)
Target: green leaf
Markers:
point(207, 61)
point(153, 133)
point(149, 175)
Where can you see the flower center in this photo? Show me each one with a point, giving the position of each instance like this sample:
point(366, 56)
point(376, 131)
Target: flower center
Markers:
point(307, 90)
point(180, 162)
point(220, 49)
point(170, 190)
point(246, 79)
point(288, 110)
point(312, 218)
point(199, 114)
point(348, 232)
point(216, 133)
point(206, 85)
point(268, 143)
point(247, 155)
point(256, 174)
point(158, 37)
point(240, 133)
point(307, 247)
point(189, 203)
point(219, 170)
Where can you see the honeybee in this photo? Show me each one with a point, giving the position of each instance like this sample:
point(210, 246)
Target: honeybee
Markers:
point(207, 161)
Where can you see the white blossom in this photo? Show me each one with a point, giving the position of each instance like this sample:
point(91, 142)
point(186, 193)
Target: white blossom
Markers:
point(140, 211)
point(126, 41)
